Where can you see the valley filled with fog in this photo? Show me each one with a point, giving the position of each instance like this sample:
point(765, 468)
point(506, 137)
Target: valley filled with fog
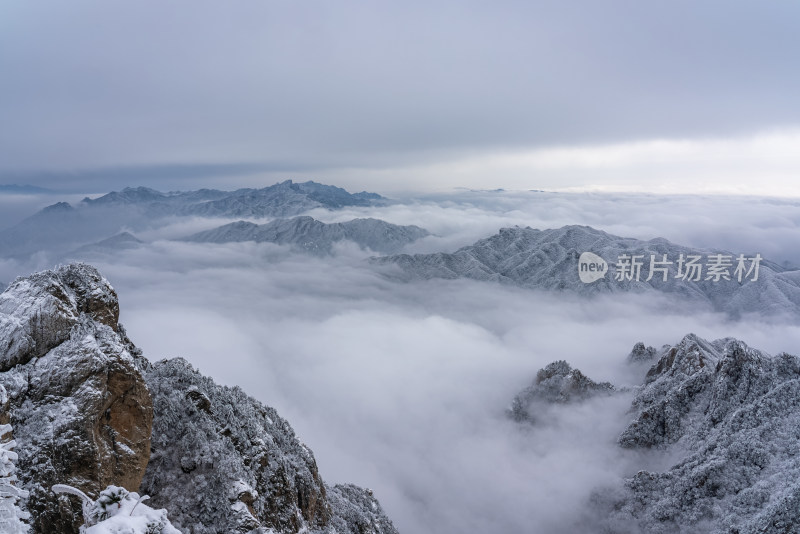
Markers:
point(403, 385)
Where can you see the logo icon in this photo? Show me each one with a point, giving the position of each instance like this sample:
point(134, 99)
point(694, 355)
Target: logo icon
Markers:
point(591, 267)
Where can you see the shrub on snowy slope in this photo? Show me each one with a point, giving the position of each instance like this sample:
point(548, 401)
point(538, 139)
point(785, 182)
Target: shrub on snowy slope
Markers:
point(118, 511)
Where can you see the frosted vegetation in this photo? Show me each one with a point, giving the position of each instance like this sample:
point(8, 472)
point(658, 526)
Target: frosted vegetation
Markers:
point(12, 517)
point(724, 415)
point(118, 511)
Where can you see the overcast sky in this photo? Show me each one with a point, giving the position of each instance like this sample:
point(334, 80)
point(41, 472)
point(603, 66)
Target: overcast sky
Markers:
point(676, 96)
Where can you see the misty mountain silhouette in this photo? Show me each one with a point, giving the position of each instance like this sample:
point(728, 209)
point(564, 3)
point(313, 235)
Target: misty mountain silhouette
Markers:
point(62, 227)
point(315, 236)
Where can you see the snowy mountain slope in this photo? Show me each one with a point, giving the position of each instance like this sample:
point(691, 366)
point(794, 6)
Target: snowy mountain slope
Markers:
point(726, 416)
point(315, 236)
point(548, 259)
point(88, 410)
point(735, 412)
point(62, 227)
point(222, 461)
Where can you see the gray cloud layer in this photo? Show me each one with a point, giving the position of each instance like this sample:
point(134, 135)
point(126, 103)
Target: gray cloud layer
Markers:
point(277, 85)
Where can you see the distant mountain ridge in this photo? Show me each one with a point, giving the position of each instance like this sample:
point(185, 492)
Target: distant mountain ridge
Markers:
point(115, 243)
point(279, 200)
point(16, 189)
point(62, 227)
point(316, 236)
point(548, 259)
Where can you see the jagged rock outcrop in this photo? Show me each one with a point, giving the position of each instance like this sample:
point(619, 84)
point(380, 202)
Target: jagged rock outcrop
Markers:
point(731, 414)
point(548, 259)
point(90, 412)
point(640, 354)
point(315, 236)
point(223, 462)
point(557, 383)
point(38, 312)
point(79, 406)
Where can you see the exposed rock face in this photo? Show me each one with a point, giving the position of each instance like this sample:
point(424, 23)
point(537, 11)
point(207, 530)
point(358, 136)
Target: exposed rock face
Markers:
point(732, 414)
point(80, 409)
point(315, 236)
point(557, 383)
point(223, 462)
point(38, 312)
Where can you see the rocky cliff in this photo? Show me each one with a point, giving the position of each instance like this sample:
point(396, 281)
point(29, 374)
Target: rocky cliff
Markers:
point(725, 416)
point(222, 460)
point(732, 413)
point(88, 410)
point(79, 406)
point(557, 383)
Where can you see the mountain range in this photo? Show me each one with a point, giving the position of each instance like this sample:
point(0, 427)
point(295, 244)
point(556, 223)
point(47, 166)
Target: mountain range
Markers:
point(549, 259)
point(280, 200)
point(62, 227)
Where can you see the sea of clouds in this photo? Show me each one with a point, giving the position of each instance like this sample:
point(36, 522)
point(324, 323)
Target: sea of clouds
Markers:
point(402, 387)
